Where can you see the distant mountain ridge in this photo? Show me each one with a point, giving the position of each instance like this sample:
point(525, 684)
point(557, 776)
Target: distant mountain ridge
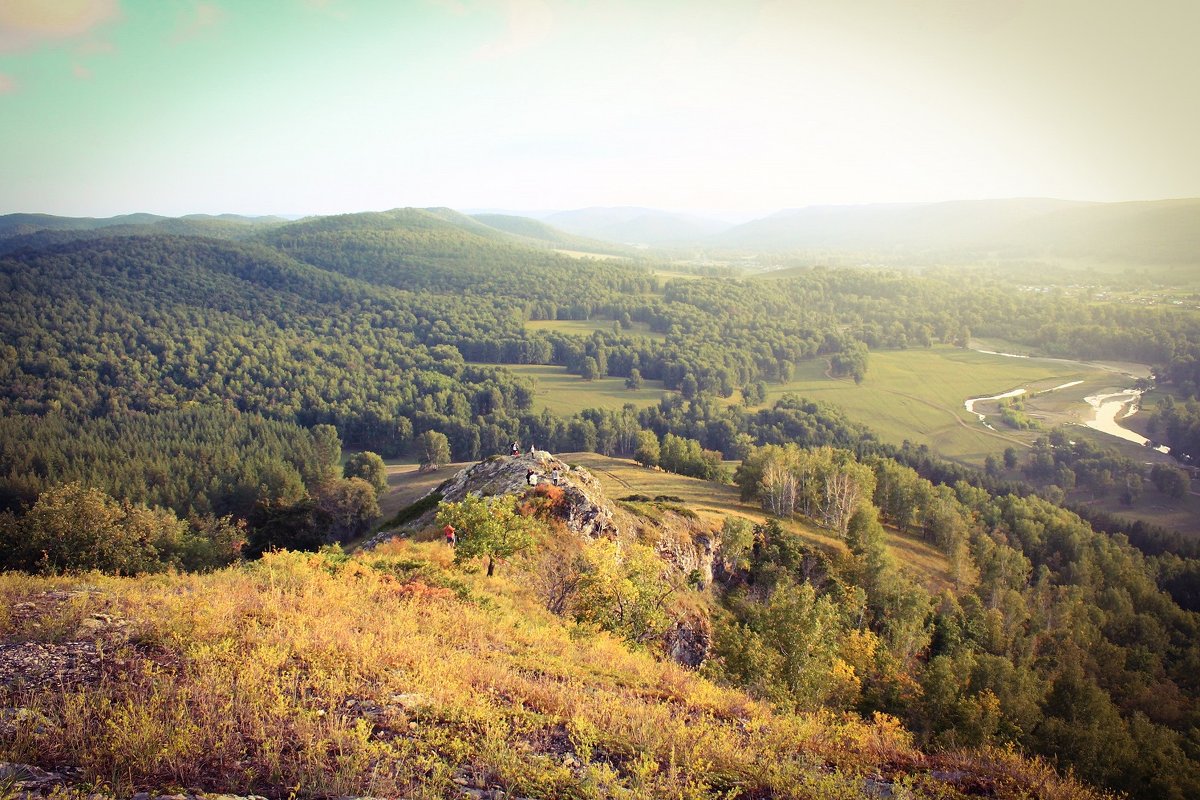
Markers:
point(638, 226)
point(1147, 232)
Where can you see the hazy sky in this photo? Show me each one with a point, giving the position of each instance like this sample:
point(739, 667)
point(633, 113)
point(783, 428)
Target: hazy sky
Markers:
point(304, 106)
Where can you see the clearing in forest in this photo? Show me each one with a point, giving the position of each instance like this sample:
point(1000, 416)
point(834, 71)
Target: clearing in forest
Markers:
point(918, 394)
point(565, 393)
point(586, 327)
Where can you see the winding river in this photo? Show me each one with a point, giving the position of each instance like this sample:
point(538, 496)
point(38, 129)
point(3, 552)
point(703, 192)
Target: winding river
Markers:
point(969, 404)
point(1107, 408)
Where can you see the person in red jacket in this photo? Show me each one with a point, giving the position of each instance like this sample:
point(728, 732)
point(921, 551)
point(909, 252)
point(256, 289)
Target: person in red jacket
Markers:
point(451, 539)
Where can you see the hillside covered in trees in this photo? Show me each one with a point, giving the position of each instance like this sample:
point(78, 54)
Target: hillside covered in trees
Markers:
point(188, 390)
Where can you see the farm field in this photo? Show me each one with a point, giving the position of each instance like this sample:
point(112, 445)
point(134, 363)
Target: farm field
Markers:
point(918, 395)
point(565, 393)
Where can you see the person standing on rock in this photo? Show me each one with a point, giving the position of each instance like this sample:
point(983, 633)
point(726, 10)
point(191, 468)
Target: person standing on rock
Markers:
point(451, 538)
point(532, 450)
point(516, 450)
point(555, 476)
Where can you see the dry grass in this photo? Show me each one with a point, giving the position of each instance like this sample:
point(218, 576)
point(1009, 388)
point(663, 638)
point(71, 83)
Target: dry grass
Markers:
point(323, 675)
point(714, 501)
point(406, 484)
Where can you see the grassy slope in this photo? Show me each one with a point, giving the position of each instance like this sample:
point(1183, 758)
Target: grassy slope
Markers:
point(406, 484)
point(714, 501)
point(307, 675)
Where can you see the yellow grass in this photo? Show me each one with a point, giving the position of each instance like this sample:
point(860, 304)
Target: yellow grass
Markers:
point(317, 675)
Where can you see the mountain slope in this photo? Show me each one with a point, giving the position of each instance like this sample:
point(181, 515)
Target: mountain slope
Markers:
point(533, 230)
point(1163, 231)
point(314, 675)
point(18, 224)
point(440, 250)
point(644, 226)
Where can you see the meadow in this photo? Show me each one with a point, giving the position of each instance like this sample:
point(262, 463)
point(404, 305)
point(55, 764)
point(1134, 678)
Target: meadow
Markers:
point(564, 393)
point(917, 395)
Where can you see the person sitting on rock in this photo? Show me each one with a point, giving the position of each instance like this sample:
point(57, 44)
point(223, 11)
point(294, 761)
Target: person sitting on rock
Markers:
point(532, 477)
point(516, 450)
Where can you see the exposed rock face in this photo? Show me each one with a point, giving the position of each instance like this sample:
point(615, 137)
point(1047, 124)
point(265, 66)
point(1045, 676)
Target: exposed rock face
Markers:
point(585, 510)
point(688, 641)
point(689, 554)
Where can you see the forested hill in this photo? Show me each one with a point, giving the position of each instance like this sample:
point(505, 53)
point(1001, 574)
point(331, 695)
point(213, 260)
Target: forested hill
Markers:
point(535, 231)
point(220, 378)
point(151, 322)
point(420, 248)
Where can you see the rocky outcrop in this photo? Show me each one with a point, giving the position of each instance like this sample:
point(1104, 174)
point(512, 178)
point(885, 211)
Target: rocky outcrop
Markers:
point(688, 641)
point(584, 510)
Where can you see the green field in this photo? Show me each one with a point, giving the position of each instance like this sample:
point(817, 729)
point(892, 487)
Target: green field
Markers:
point(564, 393)
point(918, 395)
point(586, 327)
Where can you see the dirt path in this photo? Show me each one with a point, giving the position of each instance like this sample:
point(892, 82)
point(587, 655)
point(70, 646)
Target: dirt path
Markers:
point(612, 475)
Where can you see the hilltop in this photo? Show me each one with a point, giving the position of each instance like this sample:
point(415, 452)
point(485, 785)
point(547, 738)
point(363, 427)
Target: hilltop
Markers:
point(396, 673)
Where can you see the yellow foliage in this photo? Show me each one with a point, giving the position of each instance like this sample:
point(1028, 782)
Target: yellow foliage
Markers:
point(321, 675)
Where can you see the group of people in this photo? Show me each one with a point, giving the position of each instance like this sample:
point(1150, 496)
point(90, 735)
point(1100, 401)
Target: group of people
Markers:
point(532, 477)
point(516, 450)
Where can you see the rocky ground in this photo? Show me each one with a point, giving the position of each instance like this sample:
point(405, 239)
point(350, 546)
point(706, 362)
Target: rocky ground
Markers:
point(585, 511)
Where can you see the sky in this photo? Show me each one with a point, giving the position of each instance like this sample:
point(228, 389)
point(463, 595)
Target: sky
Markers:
point(726, 107)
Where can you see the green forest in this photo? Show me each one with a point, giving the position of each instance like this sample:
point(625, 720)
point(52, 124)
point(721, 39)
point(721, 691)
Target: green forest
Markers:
point(183, 398)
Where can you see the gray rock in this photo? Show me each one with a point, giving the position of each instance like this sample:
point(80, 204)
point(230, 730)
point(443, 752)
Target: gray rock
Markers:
point(878, 788)
point(585, 510)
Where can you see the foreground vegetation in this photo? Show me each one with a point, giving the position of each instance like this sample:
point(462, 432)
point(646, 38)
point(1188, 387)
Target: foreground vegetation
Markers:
point(387, 675)
point(187, 397)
